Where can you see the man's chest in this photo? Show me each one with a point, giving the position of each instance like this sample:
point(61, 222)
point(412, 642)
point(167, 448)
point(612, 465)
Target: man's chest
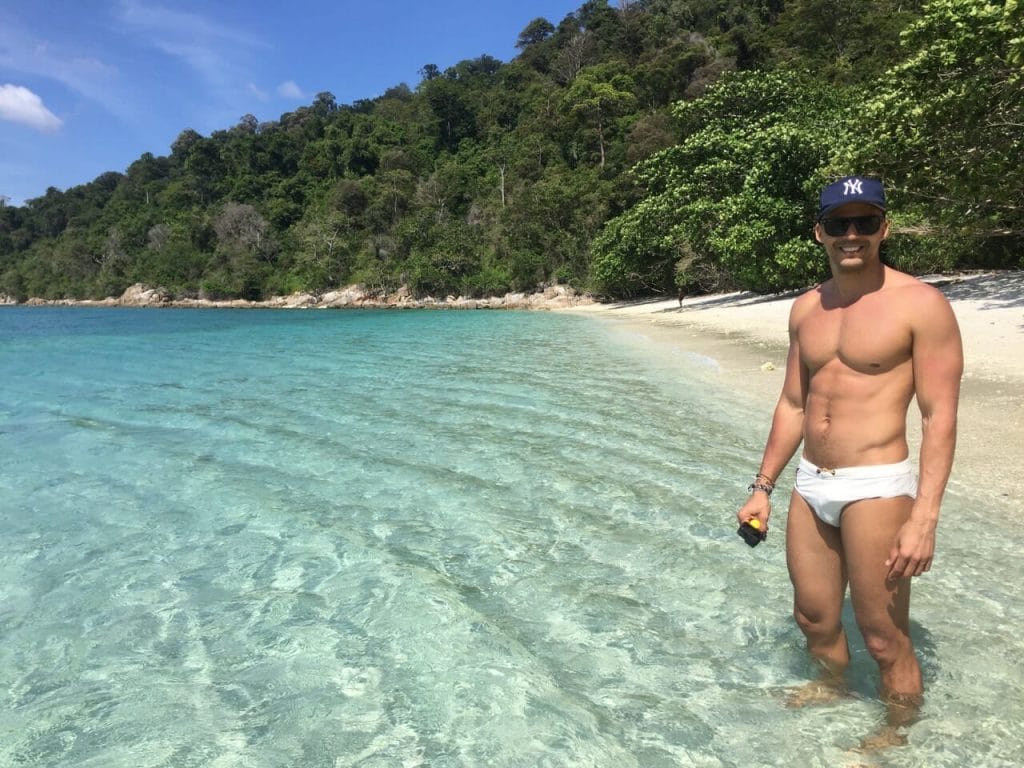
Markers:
point(863, 338)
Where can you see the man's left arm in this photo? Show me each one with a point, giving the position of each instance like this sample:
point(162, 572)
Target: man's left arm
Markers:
point(938, 363)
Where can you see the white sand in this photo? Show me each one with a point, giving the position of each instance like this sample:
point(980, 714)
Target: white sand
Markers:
point(746, 334)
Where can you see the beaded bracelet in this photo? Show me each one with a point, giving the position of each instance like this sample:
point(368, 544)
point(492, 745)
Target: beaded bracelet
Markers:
point(767, 489)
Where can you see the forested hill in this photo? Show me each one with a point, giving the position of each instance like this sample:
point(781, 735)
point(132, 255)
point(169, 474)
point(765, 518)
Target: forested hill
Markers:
point(628, 149)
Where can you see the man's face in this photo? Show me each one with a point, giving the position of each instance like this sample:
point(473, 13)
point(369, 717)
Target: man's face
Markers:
point(852, 235)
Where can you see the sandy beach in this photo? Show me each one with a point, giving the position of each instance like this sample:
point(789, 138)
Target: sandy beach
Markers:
point(746, 334)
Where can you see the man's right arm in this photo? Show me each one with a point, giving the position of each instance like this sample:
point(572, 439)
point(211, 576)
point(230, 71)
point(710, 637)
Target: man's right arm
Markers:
point(788, 420)
point(786, 430)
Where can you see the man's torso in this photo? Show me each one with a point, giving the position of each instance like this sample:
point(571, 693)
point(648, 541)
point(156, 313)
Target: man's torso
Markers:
point(860, 379)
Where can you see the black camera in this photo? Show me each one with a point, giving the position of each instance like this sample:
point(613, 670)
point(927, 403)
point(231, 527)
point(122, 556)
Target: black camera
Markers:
point(753, 536)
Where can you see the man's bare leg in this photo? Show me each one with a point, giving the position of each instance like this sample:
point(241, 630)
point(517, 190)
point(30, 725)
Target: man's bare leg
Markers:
point(816, 568)
point(882, 609)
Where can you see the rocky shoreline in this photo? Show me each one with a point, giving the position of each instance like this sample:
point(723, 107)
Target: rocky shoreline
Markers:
point(350, 297)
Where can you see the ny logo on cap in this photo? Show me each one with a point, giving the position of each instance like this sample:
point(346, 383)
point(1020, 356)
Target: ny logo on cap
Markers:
point(853, 187)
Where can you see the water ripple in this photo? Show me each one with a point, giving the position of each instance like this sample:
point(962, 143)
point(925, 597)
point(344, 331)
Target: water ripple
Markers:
point(421, 539)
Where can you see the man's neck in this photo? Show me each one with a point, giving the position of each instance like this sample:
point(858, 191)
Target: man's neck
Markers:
point(849, 286)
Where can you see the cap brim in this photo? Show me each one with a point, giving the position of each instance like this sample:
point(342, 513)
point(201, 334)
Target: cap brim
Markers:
point(827, 211)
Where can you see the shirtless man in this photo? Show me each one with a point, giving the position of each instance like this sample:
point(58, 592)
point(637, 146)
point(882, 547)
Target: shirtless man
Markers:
point(862, 345)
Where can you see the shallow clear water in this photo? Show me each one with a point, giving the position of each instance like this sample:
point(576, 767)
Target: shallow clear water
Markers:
point(256, 538)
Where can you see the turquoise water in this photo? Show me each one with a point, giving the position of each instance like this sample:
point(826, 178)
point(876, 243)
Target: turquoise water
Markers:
point(257, 538)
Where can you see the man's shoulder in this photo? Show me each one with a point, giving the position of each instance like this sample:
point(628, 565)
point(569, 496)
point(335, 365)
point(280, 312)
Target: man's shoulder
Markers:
point(804, 304)
point(914, 290)
point(811, 296)
point(921, 305)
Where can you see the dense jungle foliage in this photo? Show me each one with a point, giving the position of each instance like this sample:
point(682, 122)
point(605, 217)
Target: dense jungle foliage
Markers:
point(635, 148)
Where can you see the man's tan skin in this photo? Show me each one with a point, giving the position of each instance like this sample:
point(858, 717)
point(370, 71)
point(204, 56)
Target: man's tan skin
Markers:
point(862, 345)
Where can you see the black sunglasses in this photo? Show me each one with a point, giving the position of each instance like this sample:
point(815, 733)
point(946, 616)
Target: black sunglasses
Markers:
point(865, 225)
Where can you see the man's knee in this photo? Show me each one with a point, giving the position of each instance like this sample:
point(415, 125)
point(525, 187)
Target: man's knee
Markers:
point(820, 626)
point(886, 645)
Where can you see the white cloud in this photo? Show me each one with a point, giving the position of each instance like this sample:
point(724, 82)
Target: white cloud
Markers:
point(289, 90)
point(20, 105)
point(23, 52)
point(217, 52)
point(258, 93)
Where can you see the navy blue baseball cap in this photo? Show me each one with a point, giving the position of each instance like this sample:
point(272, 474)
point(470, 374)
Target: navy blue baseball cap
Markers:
point(851, 189)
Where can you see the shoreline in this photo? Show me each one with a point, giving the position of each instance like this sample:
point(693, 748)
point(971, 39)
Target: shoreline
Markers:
point(747, 336)
point(349, 297)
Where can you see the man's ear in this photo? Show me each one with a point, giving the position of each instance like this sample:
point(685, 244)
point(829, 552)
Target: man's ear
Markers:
point(817, 232)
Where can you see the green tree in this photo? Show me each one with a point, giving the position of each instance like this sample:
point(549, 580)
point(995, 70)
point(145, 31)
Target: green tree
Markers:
point(536, 32)
point(597, 97)
point(243, 253)
point(946, 127)
point(452, 110)
point(734, 199)
point(849, 41)
point(326, 248)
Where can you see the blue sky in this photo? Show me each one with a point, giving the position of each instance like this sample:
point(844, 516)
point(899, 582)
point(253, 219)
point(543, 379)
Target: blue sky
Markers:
point(87, 86)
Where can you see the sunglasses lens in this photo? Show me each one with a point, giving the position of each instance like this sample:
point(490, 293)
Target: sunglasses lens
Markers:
point(835, 227)
point(865, 225)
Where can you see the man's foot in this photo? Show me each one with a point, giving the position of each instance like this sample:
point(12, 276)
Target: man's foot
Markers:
point(824, 690)
point(886, 736)
point(902, 711)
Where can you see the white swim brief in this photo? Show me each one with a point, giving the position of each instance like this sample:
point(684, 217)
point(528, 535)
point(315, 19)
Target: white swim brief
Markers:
point(829, 491)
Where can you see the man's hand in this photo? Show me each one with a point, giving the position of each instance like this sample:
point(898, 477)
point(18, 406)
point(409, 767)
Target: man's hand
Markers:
point(912, 551)
point(757, 506)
